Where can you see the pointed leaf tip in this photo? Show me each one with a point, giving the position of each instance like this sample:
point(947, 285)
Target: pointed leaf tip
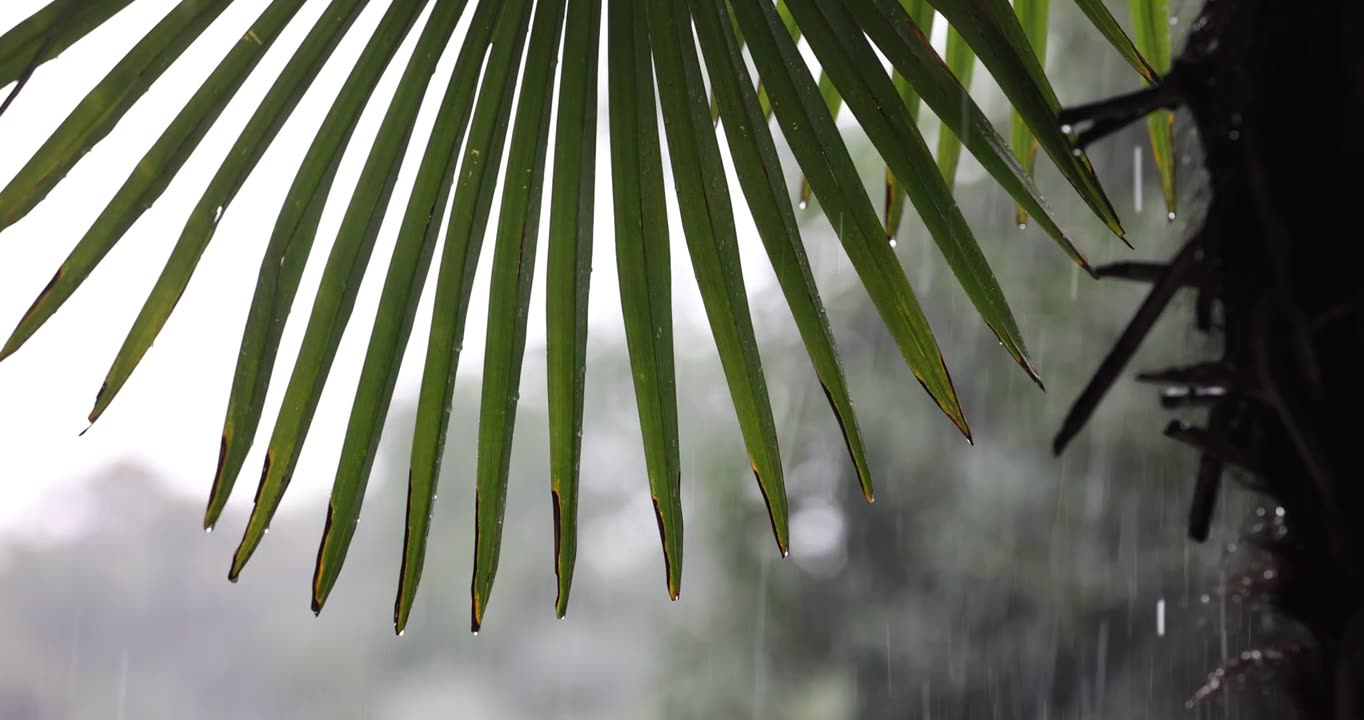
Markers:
point(99, 407)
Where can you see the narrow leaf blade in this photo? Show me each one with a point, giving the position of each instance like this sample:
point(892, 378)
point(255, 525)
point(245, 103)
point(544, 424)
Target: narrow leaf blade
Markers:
point(156, 169)
point(402, 291)
point(1151, 21)
point(251, 144)
point(921, 17)
point(281, 270)
point(760, 175)
point(335, 302)
point(1033, 15)
point(962, 62)
point(473, 198)
point(994, 33)
point(644, 268)
point(513, 272)
point(105, 105)
point(568, 275)
point(1107, 26)
point(47, 33)
point(708, 224)
point(851, 61)
point(909, 51)
point(822, 155)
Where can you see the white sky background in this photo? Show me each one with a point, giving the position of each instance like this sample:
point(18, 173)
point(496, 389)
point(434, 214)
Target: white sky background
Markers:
point(168, 417)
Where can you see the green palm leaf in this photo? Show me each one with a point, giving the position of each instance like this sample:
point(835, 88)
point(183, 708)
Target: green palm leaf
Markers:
point(45, 34)
point(280, 272)
point(819, 149)
point(962, 62)
point(339, 286)
point(653, 65)
point(792, 29)
point(1152, 28)
point(336, 300)
point(871, 95)
point(105, 105)
point(251, 144)
point(708, 224)
point(834, 102)
point(1033, 14)
point(156, 169)
point(644, 268)
point(407, 273)
point(459, 258)
point(513, 271)
point(994, 33)
point(760, 175)
point(921, 19)
point(1107, 26)
point(567, 278)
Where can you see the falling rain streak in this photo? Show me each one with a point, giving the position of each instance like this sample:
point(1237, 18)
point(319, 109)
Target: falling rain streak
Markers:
point(1137, 186)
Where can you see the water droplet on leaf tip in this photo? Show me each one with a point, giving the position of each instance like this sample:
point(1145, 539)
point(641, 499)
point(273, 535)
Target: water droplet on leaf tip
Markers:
point(1066, 128)
point(402, 632)
point(804, 204)
point(475, 633)
point(892, 242)
point(208, 530)
point(1022, 226)
point(1170, 216)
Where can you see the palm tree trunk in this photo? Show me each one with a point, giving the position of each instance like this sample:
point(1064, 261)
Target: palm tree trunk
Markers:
point(1276, 90)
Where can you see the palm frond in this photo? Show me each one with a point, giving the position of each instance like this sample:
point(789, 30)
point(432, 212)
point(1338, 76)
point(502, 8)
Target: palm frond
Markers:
point(1151, 20)
point(962, 63)
point(684, 60)
point(1034, 16)
point(921, 18)
point(644, 268)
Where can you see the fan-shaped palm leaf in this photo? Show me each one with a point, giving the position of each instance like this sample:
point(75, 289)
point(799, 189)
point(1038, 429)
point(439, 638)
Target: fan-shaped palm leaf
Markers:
point(490, 108)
